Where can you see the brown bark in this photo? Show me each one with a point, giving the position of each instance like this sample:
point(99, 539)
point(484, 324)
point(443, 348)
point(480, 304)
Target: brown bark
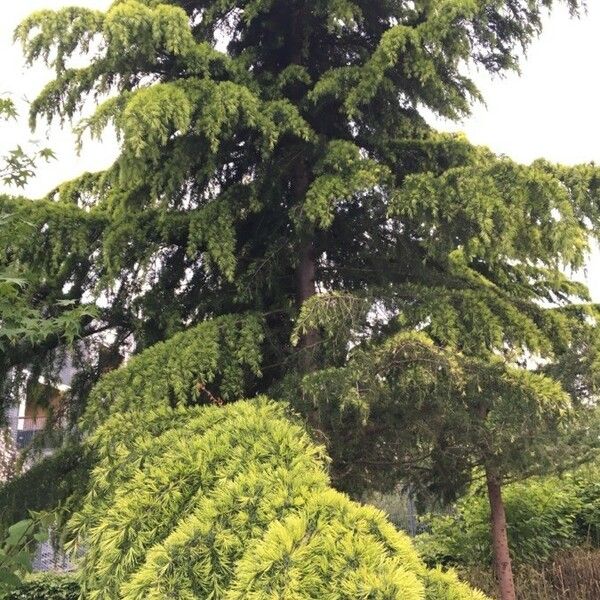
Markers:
point(306, 288)
point(306, 271)
point(502, 561)
point(306, 274)
point(300, 182)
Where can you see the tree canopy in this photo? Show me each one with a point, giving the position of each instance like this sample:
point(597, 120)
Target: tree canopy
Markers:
point(281, 204)
point(261, 138)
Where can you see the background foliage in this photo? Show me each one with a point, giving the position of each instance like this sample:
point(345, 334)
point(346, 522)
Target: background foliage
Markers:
point(51, 483)
point(46, 586)
point(544, 516)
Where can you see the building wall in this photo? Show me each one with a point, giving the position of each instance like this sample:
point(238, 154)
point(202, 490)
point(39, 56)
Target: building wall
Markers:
point(47, 558)
point(24, 418)
point(12, 418)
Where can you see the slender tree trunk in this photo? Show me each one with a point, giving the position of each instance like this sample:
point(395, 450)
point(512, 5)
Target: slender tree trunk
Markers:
point(502, 562)
point(306, 270)
point(306, 289)
point(305, 274)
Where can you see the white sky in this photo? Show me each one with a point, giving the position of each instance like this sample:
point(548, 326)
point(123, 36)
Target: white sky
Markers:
point(550, 111)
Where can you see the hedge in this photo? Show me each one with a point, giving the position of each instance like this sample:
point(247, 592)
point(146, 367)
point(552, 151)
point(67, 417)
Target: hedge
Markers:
point(46, 586)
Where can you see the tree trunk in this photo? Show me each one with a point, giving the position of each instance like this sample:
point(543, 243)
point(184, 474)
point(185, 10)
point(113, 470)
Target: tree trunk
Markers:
point(306, 271)
point(305, 274)
point(502, 562)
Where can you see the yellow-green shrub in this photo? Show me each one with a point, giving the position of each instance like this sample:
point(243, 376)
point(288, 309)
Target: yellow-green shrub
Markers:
point(232, 503)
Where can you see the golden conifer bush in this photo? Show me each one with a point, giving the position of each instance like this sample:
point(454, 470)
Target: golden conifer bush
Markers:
point(232, 503)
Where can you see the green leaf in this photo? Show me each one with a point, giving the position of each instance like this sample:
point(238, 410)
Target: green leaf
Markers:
point(18, 531)
point(8, 579)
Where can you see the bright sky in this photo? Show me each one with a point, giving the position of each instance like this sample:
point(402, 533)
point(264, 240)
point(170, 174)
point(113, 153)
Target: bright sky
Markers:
point(550, 111)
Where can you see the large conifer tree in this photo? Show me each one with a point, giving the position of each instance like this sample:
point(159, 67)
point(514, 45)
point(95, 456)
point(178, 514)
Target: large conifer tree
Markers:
point(273, 149)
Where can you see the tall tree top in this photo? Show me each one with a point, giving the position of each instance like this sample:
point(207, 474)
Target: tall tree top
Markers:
point(272, 149)
point(328, 57)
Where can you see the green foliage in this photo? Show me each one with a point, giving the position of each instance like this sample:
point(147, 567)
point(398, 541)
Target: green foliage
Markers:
point(18, 165)
point(20, 320)
point(444, 413)
point(15, 557)
point(17, 548)
point(270, 148)
point(46, 586)
point(213, 227)
point(586, 486)
point(8, 455)
point(233, 502)
point(61, 236)
point(247, 133)
point(7, 109)
point(25, 321)
point(51, 483)
point(341, 174)
point(210, 363)
point(493, 209)
point(21, 323)
point(544, 516)
point(63, 232)
point(416, 53)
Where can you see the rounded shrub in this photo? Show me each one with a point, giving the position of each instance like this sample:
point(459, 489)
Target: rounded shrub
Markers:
point(233, 503)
